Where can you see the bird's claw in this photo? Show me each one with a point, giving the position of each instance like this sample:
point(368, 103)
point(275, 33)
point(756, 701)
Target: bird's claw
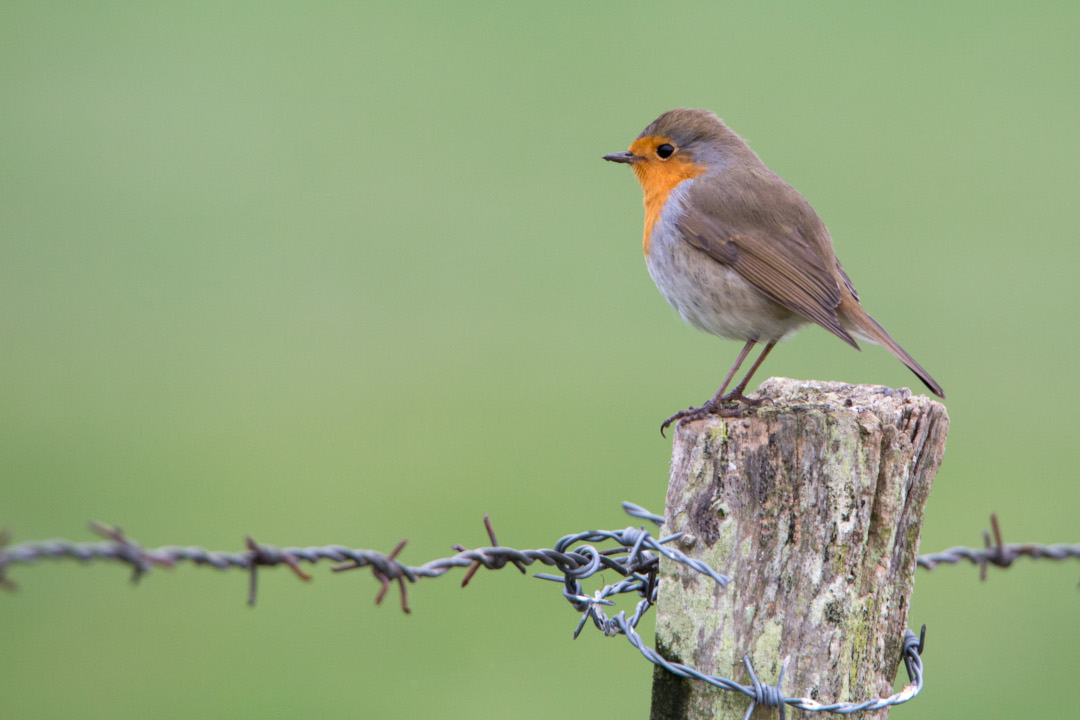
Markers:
point(696, 413)
point(720, 408)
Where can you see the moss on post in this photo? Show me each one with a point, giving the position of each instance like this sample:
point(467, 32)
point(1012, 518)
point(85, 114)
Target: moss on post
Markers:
point(813, 504)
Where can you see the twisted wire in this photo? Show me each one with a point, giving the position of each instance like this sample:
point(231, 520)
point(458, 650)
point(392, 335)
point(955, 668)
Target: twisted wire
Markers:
point(635, 558)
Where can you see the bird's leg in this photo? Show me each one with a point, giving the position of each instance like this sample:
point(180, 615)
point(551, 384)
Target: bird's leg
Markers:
point(718, 398)
point(736, 395)
point(715, 405)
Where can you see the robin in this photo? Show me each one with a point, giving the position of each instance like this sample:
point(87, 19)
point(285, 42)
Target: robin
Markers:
point(737, 251)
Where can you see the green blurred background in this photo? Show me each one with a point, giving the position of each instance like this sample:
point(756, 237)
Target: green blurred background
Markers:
point(352, 272)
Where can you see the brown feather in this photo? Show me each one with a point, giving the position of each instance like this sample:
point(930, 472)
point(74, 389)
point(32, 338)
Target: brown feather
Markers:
point(769, 252)
point(867, 326)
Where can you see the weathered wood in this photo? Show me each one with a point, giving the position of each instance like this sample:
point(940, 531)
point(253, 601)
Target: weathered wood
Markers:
point(814, 505)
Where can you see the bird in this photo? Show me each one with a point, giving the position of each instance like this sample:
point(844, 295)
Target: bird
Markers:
point(738, 252)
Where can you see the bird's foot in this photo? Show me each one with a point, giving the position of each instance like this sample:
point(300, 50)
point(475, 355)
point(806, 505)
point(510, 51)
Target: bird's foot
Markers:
point(696, 413)
point(737, 397)
point(732, 405)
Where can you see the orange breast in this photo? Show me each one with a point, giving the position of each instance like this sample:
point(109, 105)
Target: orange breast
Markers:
point(658, 178)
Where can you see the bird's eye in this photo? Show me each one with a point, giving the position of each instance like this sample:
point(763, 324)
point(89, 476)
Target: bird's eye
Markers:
point(665, 151)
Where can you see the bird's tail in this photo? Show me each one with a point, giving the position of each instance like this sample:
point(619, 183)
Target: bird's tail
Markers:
point(867, 328)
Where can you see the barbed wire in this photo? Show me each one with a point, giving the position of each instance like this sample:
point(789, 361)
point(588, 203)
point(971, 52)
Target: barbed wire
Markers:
point(635, 557)
point(996, 552)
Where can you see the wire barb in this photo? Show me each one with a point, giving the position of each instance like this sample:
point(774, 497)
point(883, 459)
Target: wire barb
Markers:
point(767, 695)
point(269, 556)
point(385, 569)
point(127, 550)
point(637, 511)
point(5, 582)
point(911, 653)
point(496, 563)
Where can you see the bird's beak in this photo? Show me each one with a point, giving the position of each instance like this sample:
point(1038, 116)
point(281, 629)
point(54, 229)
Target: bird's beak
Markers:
point(623, 157)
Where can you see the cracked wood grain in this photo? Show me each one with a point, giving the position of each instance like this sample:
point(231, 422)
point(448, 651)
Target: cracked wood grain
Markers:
point(814, 504)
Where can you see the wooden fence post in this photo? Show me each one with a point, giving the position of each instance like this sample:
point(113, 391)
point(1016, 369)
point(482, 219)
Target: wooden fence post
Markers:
point(814, 505)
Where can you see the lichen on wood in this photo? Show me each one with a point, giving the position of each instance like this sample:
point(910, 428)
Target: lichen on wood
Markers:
point(813, 503)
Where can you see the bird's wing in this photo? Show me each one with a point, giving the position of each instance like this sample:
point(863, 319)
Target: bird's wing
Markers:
point(776, 260)
point(847, 281)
